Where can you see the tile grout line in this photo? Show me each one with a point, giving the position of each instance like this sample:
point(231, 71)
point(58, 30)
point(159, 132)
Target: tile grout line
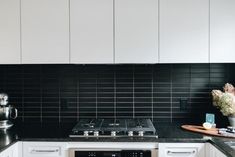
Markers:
point(133, 73)
point(228, 73)
point(23, 93)
point(5, 79)
point(78, 81)
point(152, 91)
point(59, 82)
point(115, 100)
point(190, 85)
point(96, 99)
point(40, 80)
point(209, 79)
point(171, 93)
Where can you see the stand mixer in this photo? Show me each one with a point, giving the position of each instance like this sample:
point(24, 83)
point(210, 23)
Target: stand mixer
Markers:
point(7, 112)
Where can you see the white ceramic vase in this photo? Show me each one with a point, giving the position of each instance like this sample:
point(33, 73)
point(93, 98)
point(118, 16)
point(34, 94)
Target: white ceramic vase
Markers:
point(231, 120)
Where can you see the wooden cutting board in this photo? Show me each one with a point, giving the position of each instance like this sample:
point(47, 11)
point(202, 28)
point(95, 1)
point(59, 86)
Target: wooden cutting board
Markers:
point(200, 129)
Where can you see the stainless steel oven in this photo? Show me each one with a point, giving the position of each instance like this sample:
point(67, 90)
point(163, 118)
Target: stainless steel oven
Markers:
point(112, 153)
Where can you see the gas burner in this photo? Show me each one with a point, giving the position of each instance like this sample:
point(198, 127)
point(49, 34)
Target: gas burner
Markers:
point(90, 124)
point(139, 124)
point(115, 123)
point(114, 128)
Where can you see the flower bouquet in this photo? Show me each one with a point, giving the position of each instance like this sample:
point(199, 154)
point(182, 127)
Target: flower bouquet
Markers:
point(225, 101)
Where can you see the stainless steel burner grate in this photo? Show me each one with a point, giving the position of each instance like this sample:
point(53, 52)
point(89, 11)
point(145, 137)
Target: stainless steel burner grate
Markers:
point(114, 128)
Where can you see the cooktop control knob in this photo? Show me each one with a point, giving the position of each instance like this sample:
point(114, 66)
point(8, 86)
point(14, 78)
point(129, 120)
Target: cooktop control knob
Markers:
point(86, 133)
point(130, 133)
point(113, 133)
point(96, 133)
point(140, 133)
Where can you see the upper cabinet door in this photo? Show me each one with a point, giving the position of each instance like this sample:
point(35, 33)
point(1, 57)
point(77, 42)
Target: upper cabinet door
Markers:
point(45, 31)
point(136, 31)
point(10, 31)
point(184, 31)
point(222, 27)
point(91, 23)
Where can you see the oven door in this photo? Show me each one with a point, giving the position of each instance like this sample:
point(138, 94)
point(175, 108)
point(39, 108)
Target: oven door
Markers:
point(111, 153)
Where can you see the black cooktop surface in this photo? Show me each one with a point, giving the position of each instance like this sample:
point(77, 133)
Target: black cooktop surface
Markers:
point(113, 128)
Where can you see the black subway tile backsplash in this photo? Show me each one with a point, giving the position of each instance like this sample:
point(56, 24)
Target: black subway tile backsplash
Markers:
point(66, 93)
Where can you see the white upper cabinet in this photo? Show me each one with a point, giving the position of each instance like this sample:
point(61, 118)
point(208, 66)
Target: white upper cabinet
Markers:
point(91, 23)
point(136, 31)
point(222, 27)
point(184, 31)
point(10, 31)
point(45, 31)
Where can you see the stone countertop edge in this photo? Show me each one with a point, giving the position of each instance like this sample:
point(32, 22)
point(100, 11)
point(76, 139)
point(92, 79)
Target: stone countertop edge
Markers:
point(2, 148)
point(167, 134)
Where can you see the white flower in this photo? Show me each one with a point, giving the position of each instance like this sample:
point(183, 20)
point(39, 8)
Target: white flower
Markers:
point(229, 88)
point(225, 101)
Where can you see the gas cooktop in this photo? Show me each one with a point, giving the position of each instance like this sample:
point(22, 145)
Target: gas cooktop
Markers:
point(114, 128)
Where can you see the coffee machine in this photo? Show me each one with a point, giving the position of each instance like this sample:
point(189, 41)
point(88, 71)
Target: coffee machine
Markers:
point(7, 112)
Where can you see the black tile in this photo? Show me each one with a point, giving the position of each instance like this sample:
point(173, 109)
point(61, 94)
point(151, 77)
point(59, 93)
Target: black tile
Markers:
point(65, 93)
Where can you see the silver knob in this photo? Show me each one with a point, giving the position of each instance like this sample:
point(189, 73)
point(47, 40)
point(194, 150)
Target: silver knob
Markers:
point(96, 133)
point(130, 133)
point(113, 133)
point(140, 133)
point(86, 133)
